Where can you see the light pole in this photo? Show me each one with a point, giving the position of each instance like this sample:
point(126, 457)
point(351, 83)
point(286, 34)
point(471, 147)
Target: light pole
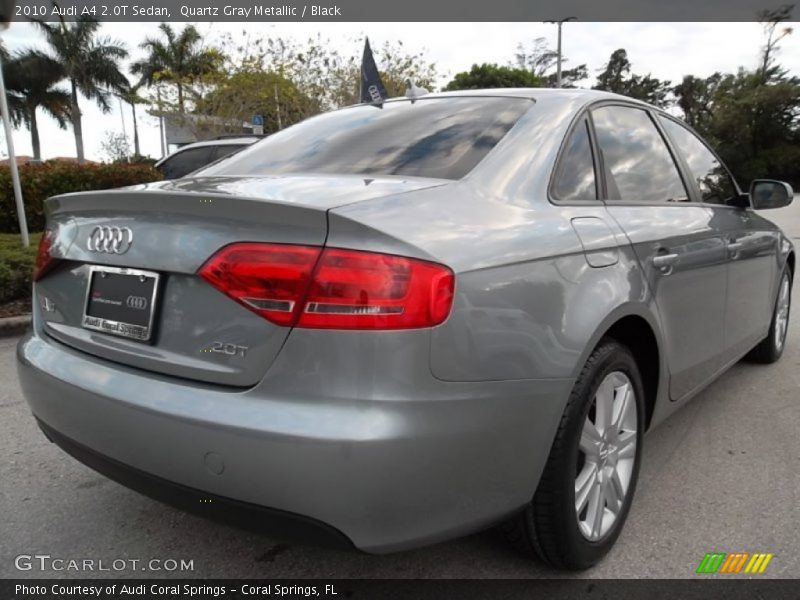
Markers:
point(558, 64)
point(6, 11)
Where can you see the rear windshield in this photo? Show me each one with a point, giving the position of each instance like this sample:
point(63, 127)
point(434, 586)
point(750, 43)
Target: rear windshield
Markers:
point(435, 137)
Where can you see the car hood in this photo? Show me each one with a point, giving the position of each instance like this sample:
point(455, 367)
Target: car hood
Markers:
point(318, 191)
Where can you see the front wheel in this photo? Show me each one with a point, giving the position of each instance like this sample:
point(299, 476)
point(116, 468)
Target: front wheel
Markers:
point(771, 347)
point(588, 483)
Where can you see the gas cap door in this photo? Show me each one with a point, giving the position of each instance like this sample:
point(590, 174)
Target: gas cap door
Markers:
point(598, 241)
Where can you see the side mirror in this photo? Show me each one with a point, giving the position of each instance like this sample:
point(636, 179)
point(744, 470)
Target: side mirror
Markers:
point(768, 193)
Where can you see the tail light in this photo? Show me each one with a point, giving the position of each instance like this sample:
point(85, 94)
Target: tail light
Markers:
point(269, 279)
point(44, 260)
point(332, 288)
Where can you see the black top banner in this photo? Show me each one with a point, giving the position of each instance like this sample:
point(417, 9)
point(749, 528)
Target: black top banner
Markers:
point(402, 11)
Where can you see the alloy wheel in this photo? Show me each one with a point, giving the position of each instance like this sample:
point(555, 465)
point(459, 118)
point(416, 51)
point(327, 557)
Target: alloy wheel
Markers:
point(782, 313)
point(606, 457)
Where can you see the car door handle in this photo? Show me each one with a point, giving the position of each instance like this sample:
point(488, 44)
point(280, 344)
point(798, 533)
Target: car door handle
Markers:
point(664, 261)
point(734, 246)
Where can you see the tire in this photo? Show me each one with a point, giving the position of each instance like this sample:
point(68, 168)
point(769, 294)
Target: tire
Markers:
point(770, 349)
point(549, 525)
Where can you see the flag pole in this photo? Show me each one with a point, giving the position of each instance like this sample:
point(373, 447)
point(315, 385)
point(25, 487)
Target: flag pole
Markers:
point(12, 161)
point(361, 74)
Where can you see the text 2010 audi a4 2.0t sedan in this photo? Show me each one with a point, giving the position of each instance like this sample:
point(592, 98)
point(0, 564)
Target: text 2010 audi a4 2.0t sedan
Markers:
point(395, 326)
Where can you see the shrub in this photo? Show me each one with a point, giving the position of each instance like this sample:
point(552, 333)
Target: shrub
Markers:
point(40, 181)
point(16, 266)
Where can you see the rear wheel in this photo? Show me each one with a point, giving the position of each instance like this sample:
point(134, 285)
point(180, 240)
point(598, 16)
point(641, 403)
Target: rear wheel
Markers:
point(771, 348)
point(587, 485)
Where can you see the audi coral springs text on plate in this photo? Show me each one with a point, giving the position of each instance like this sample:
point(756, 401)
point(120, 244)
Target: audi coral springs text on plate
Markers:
point(390, 327)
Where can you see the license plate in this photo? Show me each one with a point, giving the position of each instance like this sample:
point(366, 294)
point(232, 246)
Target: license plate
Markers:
point(121, 302)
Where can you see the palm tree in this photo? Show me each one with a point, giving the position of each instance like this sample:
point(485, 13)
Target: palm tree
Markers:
point(130, 94)
point(177, 60)
point(31, 77)
point(90, 64)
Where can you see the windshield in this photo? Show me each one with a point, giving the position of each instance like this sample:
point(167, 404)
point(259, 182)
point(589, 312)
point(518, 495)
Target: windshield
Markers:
point(435, 137)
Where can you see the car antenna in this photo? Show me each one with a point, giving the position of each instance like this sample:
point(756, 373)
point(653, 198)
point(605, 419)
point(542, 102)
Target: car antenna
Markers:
point(413, 92)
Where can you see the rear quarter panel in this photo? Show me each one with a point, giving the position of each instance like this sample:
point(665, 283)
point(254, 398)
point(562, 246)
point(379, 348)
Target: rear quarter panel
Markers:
point(528, 305)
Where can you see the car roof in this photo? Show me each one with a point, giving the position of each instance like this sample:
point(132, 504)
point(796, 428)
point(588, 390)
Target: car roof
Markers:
point(532, 93)
point(226, 141)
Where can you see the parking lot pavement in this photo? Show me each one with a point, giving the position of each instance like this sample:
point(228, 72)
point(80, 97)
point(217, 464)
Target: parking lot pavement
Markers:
point(720, 475)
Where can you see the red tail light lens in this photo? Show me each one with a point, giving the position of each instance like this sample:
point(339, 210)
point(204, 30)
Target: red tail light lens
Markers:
point(365, 290)
point(269, 279)
point(44, 261)
point(333, 288)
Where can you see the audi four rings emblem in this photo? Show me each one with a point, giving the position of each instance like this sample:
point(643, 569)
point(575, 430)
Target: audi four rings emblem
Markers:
point(111, 240)
point(138, 302)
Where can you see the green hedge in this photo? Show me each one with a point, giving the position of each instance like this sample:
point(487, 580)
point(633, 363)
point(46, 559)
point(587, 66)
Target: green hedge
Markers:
point(16, 266)
point(40, 181)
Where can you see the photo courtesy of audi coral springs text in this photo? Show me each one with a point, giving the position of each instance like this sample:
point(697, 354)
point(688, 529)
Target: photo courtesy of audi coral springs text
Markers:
point(395, 326)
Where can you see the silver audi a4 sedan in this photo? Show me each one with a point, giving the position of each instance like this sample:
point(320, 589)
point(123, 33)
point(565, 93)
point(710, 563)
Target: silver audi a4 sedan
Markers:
point(393, 326)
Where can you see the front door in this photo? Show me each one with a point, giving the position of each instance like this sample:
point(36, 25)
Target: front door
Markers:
point(679, 248)
point(751, 243)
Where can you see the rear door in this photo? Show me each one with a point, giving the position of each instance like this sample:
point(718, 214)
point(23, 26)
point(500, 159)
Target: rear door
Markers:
point(750, 240)
point(677, 241)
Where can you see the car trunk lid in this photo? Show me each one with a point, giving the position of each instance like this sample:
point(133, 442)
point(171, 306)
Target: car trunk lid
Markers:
point(171, 229)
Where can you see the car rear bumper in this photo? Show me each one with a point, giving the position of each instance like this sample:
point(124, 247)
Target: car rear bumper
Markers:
point(382, 471)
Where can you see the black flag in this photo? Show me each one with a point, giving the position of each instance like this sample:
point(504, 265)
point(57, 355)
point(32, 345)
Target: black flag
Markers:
point(372, 90)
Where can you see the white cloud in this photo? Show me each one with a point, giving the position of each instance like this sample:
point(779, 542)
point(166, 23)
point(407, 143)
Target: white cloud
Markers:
point(666, 50)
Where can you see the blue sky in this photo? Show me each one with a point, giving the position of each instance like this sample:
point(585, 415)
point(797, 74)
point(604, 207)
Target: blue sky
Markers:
point(666, 50)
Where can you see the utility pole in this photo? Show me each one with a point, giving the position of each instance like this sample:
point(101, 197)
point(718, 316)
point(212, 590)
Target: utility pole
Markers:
point(558, 50)
point(278, 108)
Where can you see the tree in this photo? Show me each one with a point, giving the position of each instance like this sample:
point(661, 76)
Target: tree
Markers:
point(616, 77)
point(115, 147)
point(397, 66)
point(130, 94)
point(179, 59)
point(752, 117)
point(493, 76)
point(755, 125)
point(90, 63)
point(326, 77)
point(540, 60)
point(770, 20)
point(247, 92)
point(694, 96)
point(31, 78)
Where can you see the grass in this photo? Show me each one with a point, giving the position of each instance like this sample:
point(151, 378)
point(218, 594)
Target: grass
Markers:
point(16, 266)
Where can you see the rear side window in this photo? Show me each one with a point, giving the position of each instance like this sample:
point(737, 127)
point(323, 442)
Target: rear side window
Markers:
point(575, 177)
point(638, 164)
point(715, 184)
point(226, 149)
point(183, 163)
point(435, 137)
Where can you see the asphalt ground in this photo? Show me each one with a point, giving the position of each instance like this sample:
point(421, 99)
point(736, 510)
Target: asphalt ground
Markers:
point(719, 475)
